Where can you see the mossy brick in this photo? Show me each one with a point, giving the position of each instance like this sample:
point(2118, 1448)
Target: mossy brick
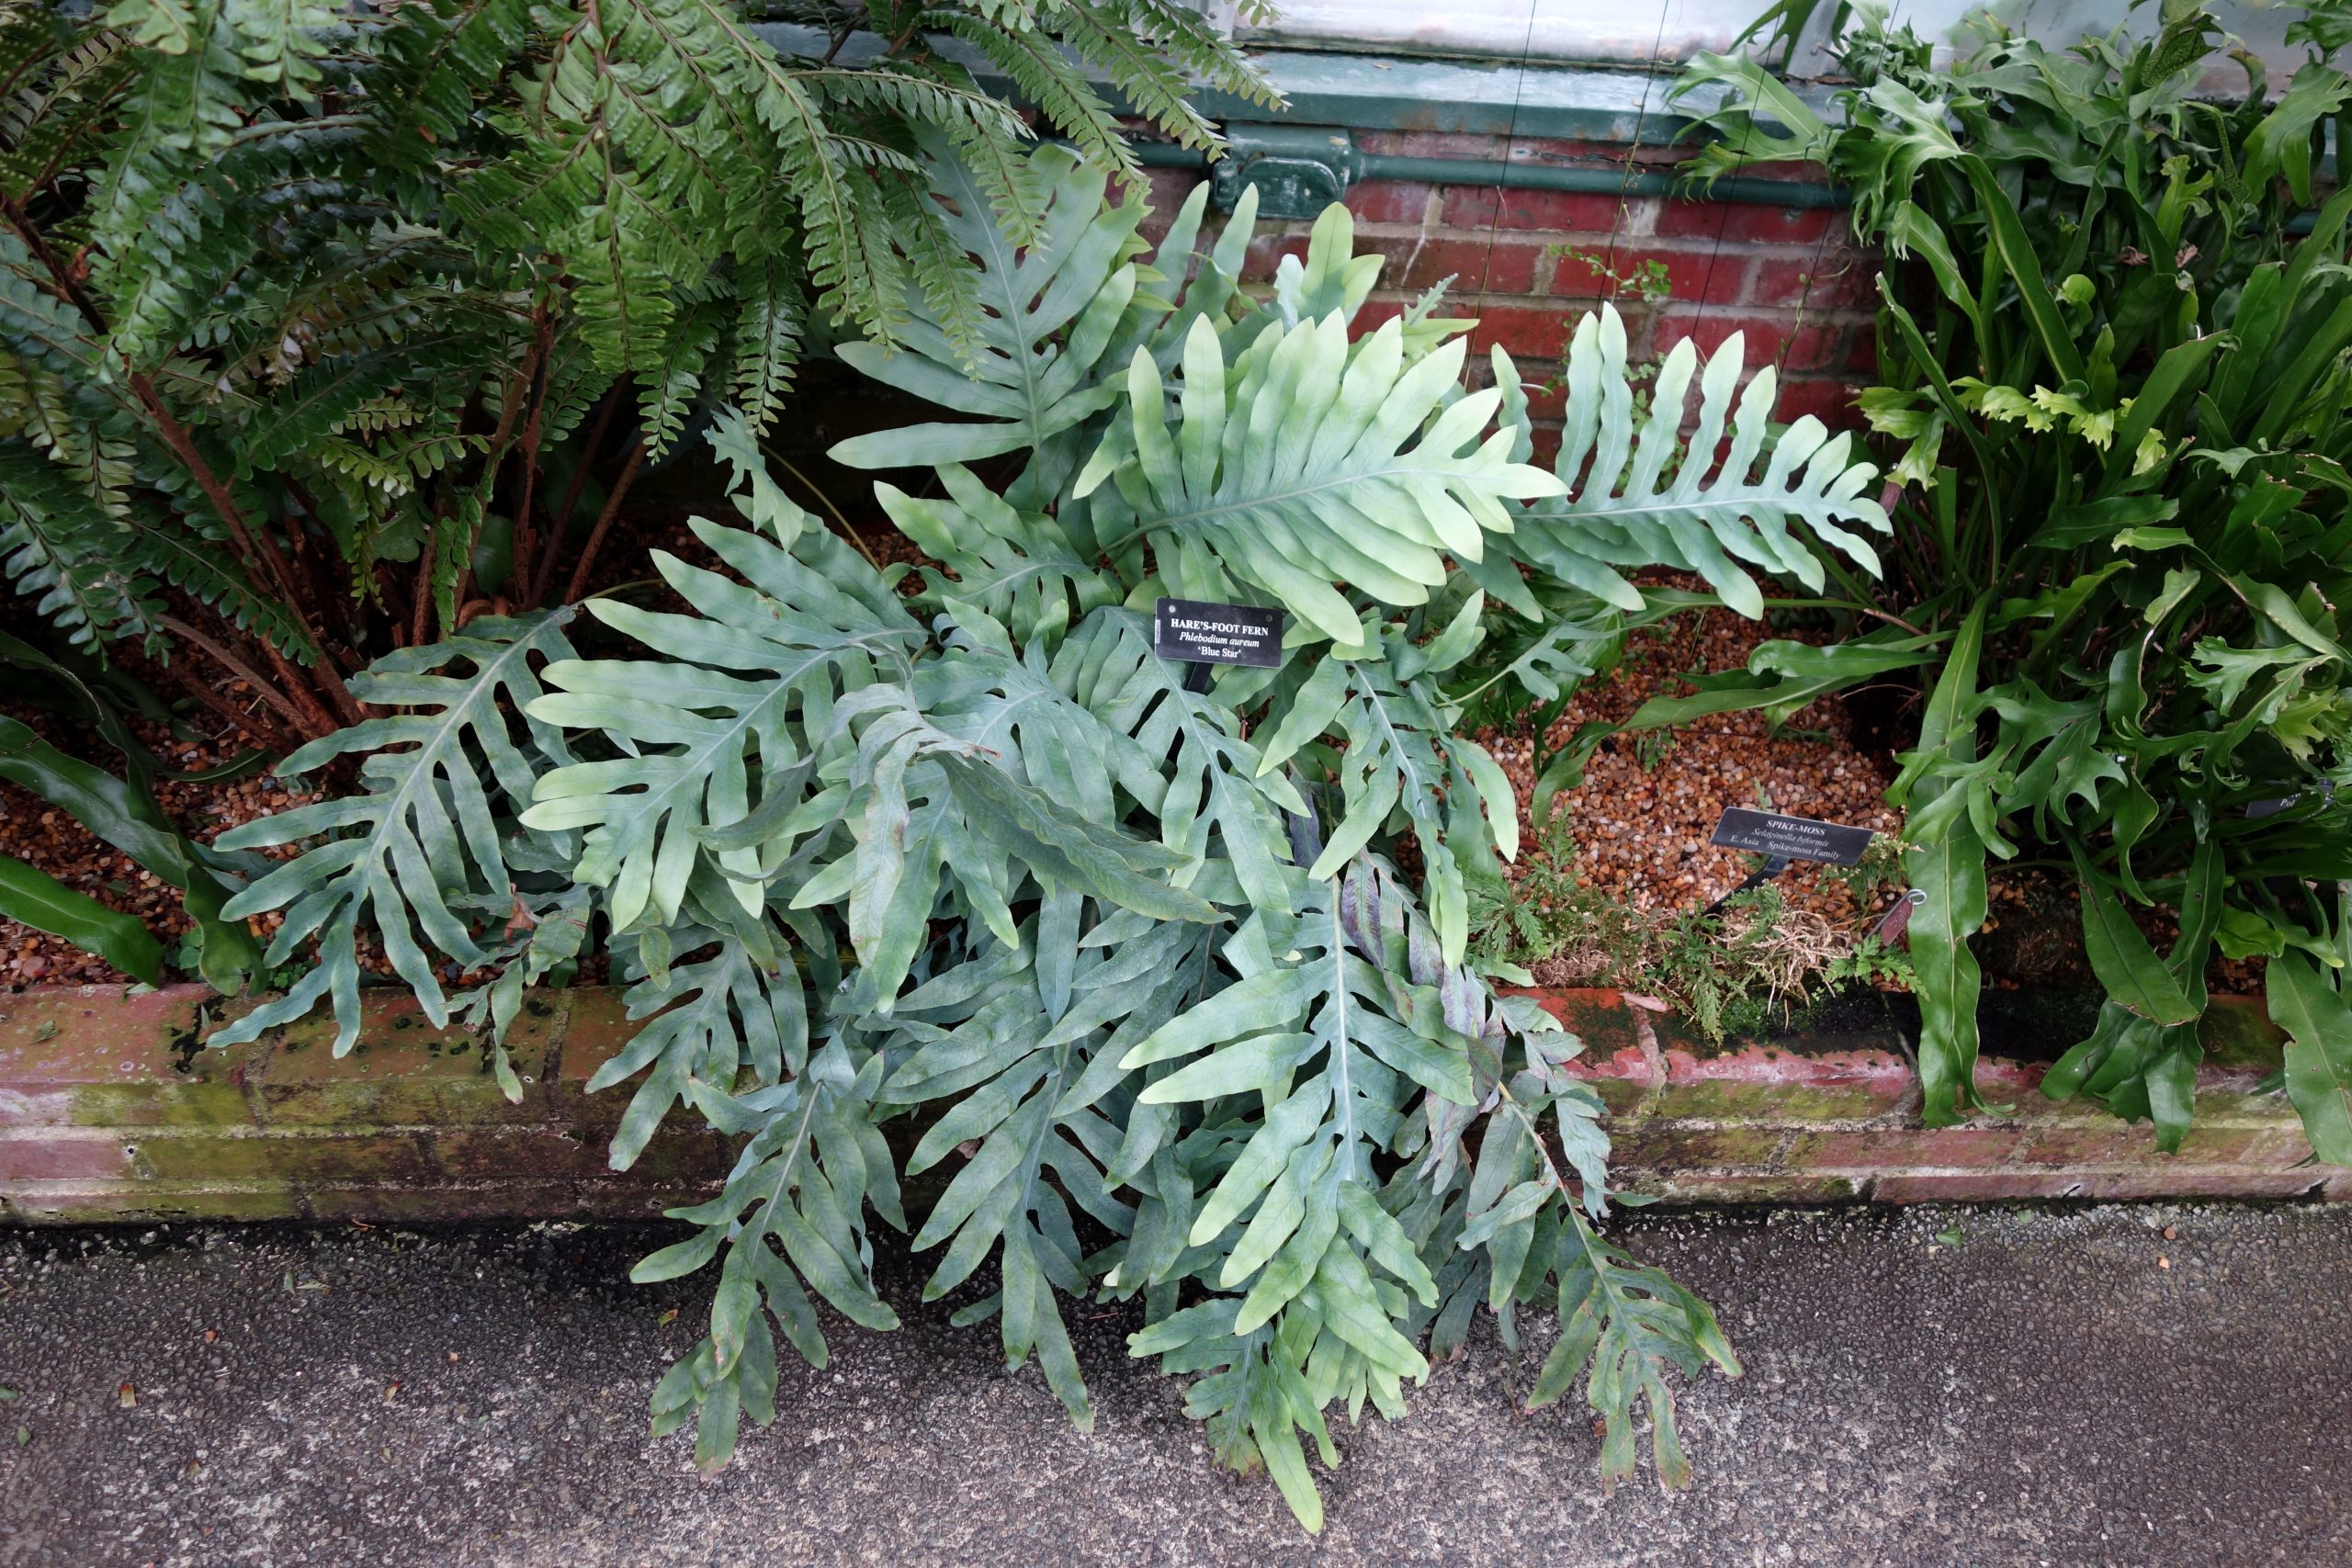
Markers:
point(98, 1203)
point(2236, 1032)
point(1620, 1095)
point(550, 1153)
point(2278, 1149)
point(622, 1200)
point(1904, 1148)
point(115, 1056)
point(436, 1202)
point(1761, 1083)
point(2177, 1179)
point(297, 1158)
point(60, 1155)
point(1738, 1187)
point(1656, 1144)
point(597, 1028)
point(2103, 1142)
point(2233, 1099)
point(1600, 1018)
point(687, 1154)
point(2011, 1185)
point(401, 1071)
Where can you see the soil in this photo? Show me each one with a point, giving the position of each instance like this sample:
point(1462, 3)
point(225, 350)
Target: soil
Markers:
point(41, 835)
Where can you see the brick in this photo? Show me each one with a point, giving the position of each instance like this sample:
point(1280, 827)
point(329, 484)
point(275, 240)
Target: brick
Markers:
point(2181, 1179)
point(1832, 402)
point(1968, 1148)
point(411, 1128)
point(2236, 1032)
point(2275, 1148)
point(97, 1203)
point(1975, 1186)
point(2092, 1143)
point(1390, 201)
point(481, 1153)
point(46, 1154)
point(109, 1056)
point(1504, 266)
point(1659, 1144)
point(1266, 251)
point(1691, 273)
point(1836, 1086)
point(1551, 212)
point(1600, 1018)
point(1813, 344)
point(1740, 1187)
point(598, 1028)
point(381, 1158)
point(439, 1203)
point(1525, 331)
point(1166, 191)
point(1841, 279)
point(402, 1072)
point(1741, 222)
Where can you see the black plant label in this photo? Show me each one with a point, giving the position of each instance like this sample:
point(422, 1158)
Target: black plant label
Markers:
point(1792, 838)
point(1198, 632)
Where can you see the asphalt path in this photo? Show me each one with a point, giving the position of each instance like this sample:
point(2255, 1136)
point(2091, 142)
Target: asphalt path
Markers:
point(2136, 1386)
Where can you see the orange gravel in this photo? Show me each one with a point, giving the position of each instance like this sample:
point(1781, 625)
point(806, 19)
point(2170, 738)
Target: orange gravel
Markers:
point(1641, 828)
point(45, 837)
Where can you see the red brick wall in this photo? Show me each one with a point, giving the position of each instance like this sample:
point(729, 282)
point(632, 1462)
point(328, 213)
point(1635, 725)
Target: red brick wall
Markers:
point(1790, 278)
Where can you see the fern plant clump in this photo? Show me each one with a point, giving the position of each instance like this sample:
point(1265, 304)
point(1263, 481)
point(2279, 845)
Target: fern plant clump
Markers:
point(971, 916)
point(325, 330)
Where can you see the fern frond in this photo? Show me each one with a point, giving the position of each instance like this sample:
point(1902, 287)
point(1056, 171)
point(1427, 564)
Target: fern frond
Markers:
point(48, 120)
point(1119, 39)
point(772, 319)
point(1050, 314)
point(179, 112)
point(423, 836)
point(63, 552)
point(1047, 79)
point(198, 560)
point(1323, 490)
point(1640, 498)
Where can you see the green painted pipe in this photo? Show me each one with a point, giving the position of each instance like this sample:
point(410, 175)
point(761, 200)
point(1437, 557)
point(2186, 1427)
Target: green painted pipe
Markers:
point(1604, 182)
point(1535, 176)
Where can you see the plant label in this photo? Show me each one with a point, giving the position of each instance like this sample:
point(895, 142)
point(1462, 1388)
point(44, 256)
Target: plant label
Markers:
point(1198, 632)
point(1790, 838)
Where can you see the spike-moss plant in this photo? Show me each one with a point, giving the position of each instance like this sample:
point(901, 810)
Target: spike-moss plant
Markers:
point(1133, 964)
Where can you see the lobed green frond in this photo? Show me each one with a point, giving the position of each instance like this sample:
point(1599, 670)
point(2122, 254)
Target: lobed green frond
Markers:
point(420, 847)
point(1049, 315)
point(1327, 489)
point(1717, 503)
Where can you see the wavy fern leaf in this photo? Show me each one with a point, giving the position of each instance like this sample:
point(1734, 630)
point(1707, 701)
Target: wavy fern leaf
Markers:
point(793, 1219)
point(1050, 312)
point(1648, 497)
point(422, 834)
point(1320, 486)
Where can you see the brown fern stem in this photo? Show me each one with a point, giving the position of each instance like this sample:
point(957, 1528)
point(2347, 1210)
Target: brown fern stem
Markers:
point(603, 522)
point(522, 554)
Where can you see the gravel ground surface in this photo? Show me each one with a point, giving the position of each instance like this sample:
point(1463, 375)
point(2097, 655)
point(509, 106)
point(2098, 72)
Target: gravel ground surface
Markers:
point(1642, 817)
point(2064, 1388)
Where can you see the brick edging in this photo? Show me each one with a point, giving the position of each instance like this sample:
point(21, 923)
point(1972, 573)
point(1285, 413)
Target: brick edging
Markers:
point(1822, 1122)
point(111, 1111)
